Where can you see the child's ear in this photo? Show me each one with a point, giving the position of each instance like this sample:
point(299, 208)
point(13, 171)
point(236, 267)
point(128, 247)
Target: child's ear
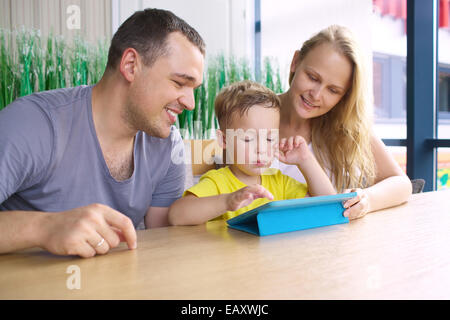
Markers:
point(221, 139)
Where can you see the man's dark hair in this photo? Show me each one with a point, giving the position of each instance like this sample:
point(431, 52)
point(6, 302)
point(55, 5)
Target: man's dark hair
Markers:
point(146, 31)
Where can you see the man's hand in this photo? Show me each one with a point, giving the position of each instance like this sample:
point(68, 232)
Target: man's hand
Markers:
point(243, 197)
point(81, 231)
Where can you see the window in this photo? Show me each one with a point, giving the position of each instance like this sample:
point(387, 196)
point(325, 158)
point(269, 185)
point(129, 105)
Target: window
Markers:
point(443, 169)
point(444, 92)
point(384, 38)
point(389, 68)
point(389, 87)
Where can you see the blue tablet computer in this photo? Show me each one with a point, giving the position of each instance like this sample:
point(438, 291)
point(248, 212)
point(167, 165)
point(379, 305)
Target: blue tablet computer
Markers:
point(292, 215)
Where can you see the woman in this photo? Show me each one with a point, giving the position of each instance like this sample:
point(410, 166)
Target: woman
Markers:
point(328, 104)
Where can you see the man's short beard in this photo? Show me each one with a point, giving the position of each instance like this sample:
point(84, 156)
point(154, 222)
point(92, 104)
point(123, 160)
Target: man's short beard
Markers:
point(136, 120)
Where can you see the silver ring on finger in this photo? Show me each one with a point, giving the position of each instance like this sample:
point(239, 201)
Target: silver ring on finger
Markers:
point(100, 242)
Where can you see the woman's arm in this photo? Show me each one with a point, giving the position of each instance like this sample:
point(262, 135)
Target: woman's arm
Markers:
point(392, 186)
point(192, 210)
point(318, 182)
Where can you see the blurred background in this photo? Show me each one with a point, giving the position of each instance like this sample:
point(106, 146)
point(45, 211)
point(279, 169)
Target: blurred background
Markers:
point(47, 44)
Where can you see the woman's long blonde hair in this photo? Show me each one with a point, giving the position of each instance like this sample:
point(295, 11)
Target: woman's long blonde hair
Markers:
point(341, 137)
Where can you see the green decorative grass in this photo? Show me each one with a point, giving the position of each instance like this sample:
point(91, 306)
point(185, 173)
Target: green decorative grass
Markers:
point(30, 62)
point(201, 122)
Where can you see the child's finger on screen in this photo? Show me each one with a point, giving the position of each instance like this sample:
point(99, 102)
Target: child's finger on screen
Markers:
point(265, 193)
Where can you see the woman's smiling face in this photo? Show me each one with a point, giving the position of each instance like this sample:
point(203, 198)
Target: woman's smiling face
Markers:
point(321, 79)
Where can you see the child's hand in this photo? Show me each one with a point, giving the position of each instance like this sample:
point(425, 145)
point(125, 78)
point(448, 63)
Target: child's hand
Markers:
point(293, 150)
point(243, 197)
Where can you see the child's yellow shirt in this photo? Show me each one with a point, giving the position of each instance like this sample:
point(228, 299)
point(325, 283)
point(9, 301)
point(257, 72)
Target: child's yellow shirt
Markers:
point(215, 182)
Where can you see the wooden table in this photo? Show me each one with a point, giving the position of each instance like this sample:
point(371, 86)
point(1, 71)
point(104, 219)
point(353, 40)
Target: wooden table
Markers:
point(397, 253)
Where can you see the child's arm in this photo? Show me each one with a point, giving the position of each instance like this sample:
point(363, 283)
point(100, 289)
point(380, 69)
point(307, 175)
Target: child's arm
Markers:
point(192, 210)
point(294, 150)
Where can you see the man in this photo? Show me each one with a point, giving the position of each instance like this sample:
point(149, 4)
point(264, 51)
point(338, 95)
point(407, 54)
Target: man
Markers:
point(81, 167)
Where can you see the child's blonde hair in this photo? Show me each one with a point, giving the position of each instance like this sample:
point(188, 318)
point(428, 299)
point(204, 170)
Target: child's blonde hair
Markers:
point(341, 137)
point(239, 97)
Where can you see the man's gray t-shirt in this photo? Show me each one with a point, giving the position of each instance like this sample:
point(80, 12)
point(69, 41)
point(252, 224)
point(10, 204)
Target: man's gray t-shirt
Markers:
point(51, 160)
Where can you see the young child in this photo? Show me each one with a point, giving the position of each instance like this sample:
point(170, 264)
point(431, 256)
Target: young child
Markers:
point(249, 116)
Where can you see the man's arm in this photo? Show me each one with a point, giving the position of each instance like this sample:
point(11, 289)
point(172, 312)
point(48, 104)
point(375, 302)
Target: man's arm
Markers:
point(157, 217)
point(169, 187)
point(26, 144)
point(74, 232)
point(19, 230)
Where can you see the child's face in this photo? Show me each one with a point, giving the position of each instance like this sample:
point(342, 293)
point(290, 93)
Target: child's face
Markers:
point(251, 139)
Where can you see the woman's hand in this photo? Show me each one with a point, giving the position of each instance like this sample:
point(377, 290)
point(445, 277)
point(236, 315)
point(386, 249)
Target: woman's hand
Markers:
point(358, 206)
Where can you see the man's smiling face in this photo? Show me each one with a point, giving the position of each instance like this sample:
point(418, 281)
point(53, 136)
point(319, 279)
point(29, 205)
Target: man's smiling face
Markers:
point(162, 91)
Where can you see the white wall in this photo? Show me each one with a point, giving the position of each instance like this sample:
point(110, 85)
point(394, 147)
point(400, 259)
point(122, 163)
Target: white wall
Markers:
point(227, 26)
point(93, 18)
point(286, 24)
point(389, 37)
